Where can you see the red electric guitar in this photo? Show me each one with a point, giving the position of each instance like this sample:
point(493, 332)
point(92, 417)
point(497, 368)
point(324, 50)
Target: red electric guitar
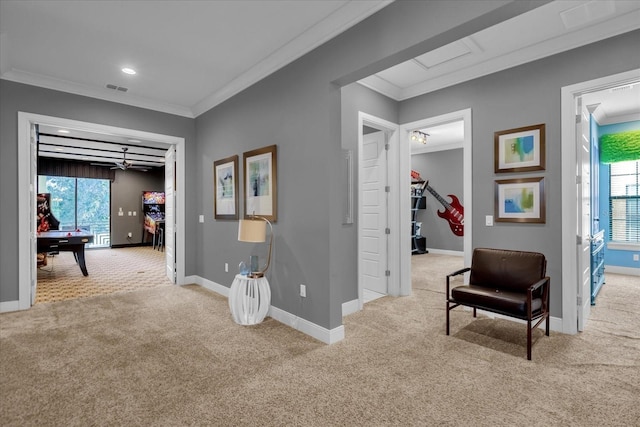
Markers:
point(453, 213)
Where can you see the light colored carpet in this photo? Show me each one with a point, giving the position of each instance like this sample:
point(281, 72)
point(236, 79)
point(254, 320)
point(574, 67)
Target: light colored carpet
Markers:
point(110, 271)
point(172, 356)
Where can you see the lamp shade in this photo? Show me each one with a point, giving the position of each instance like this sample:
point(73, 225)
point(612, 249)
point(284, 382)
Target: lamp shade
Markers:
point(251, 230)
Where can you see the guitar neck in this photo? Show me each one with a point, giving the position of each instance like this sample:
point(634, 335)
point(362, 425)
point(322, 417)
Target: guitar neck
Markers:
point(439, 198)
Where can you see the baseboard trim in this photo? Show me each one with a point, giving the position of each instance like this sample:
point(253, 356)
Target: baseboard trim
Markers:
point(555, 323)
point(327, 336)
point(630, 271)
point(306, 327)
point(445, 252)
point(209, 284)
point(8, 306)
point(350, 307)
point(130, 245)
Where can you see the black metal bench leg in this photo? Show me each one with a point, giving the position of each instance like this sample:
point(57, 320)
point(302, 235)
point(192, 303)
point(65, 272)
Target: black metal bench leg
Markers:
point(528, 339)
point(447, 317)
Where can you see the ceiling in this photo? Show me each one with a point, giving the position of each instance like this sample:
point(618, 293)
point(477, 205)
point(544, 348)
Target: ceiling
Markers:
point(193, 55)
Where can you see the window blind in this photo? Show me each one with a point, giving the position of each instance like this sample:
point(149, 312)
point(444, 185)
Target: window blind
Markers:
point(624, 202)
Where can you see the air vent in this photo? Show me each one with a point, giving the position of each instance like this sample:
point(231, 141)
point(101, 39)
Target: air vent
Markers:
point(621, 88)
point(114, 87)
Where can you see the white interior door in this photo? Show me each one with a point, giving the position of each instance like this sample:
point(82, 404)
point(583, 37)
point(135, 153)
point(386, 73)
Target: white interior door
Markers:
point(169, 213)
point(374, 208)
point(584, 214)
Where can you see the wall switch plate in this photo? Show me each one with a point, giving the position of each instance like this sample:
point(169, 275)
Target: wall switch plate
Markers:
point(226, 267)
point(201, 218)
point(636, 257)
point(488, 220)
point(129, 213)
point(135, 213)
point(303, 291)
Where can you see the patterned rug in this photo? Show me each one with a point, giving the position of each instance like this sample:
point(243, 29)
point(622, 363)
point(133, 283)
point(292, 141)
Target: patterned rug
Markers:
point(110, 271)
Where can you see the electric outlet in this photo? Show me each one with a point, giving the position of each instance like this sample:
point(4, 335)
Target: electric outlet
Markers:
point(226, 267)
point(303, 291)
point(129, 234)
point(636, 257)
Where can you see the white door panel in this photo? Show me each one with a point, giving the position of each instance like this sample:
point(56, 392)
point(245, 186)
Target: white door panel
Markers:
point(374, 213)
point(584, 216)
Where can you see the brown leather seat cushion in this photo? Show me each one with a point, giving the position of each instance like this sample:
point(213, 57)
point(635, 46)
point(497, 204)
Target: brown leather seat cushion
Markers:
point(511, 303)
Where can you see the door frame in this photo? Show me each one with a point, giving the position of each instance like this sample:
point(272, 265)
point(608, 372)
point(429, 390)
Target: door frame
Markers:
point(570, 279)
point(390, 131)
point(467, 185)
point(26, 181)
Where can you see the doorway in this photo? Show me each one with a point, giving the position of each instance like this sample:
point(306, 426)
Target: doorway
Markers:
point(27, 161)
point(574, 311)
point(405, 204)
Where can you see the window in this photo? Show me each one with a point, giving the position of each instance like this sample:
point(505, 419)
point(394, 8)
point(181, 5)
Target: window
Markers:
point(80, 203)
point(624, 202)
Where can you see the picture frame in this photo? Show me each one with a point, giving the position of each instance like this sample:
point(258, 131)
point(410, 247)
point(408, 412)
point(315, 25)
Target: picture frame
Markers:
point(261, 182)
point(520, 200)
point(225, 182)
point(520, 150)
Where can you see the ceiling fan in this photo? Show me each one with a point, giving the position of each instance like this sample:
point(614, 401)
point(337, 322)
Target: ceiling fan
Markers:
point(124, 164)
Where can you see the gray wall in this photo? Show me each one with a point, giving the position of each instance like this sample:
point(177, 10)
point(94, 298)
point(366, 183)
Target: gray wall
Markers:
point(443, 170)
point(299, 109)
point(17, 97)
point(126, 193)
point(522, 96)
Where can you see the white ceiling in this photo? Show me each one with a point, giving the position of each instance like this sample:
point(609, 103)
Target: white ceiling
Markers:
point(193, 55)
point(190, 55)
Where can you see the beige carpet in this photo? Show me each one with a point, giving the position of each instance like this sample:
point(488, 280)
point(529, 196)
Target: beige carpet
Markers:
point(110, 271)
point(172, 356)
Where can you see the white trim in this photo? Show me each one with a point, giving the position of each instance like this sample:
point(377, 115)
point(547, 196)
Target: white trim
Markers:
point(8, 306)
point(620, 246)
point(569, 191)
point(26, 260)
point(327, 336)
point(350, 307)
point(405, 165)
point(445, 252)
point(396, 280)
point(629, 271)
point(211, 285)
point(306, 327)
point(555, 323)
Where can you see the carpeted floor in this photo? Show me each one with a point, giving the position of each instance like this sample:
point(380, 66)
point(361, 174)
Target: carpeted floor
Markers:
point(172, 356)
point(110, 271)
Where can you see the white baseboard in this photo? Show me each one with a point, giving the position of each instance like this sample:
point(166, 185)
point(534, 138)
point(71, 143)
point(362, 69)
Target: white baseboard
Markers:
point(630, 271)
point(318, 332)
point(211, 285)
point(350, 307)
point(445, 252)
point(555, 323)
point(8, 306)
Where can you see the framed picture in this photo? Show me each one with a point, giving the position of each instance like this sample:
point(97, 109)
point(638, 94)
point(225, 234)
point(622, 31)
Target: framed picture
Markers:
point(520, 200)
point(519, 150)
point(225, 177)
point(260, 182)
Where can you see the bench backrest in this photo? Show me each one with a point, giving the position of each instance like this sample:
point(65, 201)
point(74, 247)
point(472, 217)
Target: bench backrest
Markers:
point(506, 269)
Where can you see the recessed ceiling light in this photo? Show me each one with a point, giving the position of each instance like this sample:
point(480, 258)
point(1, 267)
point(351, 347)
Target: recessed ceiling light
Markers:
point(63, 131)
point(128, 70)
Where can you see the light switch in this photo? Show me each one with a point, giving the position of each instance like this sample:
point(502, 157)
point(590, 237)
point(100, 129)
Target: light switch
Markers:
point(488, 220)
point(201, 218)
